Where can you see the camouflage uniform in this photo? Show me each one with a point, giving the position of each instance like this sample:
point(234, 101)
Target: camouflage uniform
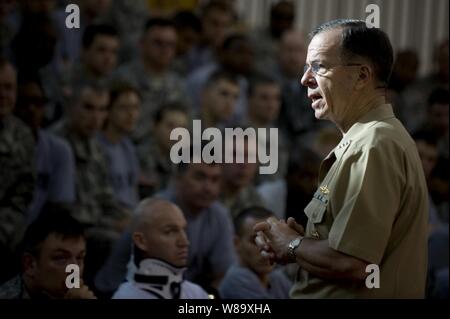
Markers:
point(154, 166)
point(78, 76)
point(14, 289)
point(17, 176)
point(155, 92)
point(96, 205)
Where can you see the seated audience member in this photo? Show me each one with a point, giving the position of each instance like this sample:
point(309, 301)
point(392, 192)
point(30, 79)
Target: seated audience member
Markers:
point(238, 191)
point(96, 206)
point(54, 159)
point(264, 102)
point(404, 74)
point(209, 227)
point(295, 117)
point(288, 197)
point(426, 143)
point(129, 18)
point(437, 119)
point(120, 153)
point(160, 254)
point(98, 57)
point(154, 152)
point(17, 173)
point(416, 95)
point(195, 190)
point(437, 284)
point(234, 56)
point(218, 99)
point(189, 31)
point(34, 48)
point(266, 41)
point(151, 73)
point(216, 19)
point(253, 277)
point(70, 44)
point(52, 242)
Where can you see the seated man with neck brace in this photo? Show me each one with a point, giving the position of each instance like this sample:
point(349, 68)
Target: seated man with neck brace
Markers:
point(160, 247)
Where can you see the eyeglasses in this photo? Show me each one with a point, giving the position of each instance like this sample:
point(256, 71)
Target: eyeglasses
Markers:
point(319, 69)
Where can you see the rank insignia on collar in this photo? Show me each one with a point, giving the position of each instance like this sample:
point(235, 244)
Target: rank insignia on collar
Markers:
point(324, 189)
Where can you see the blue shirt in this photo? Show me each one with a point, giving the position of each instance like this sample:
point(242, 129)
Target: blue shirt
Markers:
point(242, 283)
point(123, 169)
point(55, 168)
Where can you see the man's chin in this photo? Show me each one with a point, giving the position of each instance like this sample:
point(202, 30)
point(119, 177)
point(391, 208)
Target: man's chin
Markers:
point(320, 114)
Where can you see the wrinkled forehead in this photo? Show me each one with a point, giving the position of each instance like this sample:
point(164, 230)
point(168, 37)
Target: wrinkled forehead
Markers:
point(325, 45)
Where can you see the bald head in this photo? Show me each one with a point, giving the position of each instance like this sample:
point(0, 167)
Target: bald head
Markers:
point(151, 210)
point(159, 231)
point(292, 54)
point(8, 88)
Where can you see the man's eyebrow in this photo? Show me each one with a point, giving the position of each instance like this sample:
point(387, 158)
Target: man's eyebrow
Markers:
point(61, 250)
point(175, 226)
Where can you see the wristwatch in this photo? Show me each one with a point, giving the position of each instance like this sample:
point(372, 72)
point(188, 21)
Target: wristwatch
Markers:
point(293, 246)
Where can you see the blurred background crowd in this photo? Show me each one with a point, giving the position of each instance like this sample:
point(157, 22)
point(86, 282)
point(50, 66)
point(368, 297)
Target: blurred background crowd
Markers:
point(86, 116)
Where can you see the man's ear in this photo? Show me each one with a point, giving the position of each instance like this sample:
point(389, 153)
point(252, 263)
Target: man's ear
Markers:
point(365, 77)
point(139, 240)
point(28, 263)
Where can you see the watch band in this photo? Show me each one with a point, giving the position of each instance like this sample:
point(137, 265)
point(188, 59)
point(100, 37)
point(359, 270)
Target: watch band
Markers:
point(293, 245)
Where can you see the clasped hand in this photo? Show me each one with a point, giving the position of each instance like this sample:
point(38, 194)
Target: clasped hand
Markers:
point(273, 237)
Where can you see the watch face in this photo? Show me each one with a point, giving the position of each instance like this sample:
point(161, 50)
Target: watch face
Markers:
point(295, 242)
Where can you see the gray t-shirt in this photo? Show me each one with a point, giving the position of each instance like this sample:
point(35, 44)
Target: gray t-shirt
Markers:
point(123, 169)
point(55, 166)
point(242, 283)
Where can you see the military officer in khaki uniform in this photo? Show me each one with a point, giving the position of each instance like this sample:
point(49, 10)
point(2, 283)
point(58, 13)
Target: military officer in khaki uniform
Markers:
point(371, 203)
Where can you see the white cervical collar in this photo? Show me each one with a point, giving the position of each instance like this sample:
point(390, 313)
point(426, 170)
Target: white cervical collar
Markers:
point(160, 278)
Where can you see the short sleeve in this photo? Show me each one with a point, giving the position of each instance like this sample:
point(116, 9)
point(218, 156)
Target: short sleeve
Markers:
point(367, 201)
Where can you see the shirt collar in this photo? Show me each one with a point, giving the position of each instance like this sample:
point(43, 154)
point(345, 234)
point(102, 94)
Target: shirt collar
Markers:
point(380, 113)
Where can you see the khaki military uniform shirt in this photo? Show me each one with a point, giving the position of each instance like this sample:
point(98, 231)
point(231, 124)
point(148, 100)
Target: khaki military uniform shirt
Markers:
point(371, 204)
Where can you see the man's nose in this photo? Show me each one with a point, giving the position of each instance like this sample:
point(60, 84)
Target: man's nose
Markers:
point(307, 78)
point(183, 241)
